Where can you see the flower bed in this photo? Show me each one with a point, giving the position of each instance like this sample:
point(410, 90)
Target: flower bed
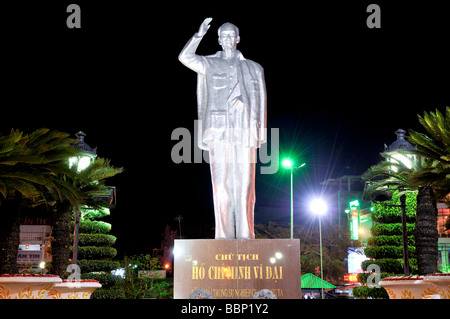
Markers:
point(26, 286)
point(79, 289)
point(409, 287)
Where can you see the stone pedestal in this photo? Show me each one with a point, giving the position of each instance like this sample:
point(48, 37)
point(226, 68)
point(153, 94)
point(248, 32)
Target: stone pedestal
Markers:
point(237, 268)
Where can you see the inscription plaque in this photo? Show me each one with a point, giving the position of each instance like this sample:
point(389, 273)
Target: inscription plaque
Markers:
point(237, 268)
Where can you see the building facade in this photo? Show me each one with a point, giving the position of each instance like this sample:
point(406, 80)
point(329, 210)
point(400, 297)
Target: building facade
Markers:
point(34, 242)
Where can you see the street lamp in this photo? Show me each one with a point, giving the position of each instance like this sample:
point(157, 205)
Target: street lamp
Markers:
point(88, 154)
point(319, 207)
point(289, 164)
point(401, 144)
point(81, 162)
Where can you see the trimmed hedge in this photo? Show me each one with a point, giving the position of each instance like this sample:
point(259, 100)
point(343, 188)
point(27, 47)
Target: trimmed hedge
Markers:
point(395, 240)
point(93, 227)
point(390, 215)
point(108, 294)
point(391, 265)
point(362, 277)
point(107, 280)
point(97, 265)
point(366, 292)
point(88, 213)
point(96, 240)
point(385, 247)
point(392, 229)
point(94, 252)
point(385, 251)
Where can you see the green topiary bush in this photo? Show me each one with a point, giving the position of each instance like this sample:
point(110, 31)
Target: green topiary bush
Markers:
point(387, 251)
point(108, 280)
point(392, 229)
point(93, 227)
point(97, 265)
point(95, 253)
point(96, 240)
point(385, 240)
point(385, 247)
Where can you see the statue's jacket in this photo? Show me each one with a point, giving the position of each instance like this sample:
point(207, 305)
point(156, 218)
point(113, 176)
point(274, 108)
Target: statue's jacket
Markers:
point(219, 82)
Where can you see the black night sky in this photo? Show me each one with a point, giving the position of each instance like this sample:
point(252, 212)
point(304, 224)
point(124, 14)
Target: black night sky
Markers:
point(337, 91)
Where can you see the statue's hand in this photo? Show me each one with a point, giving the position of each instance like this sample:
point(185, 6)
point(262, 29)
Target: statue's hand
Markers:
point(204, 27)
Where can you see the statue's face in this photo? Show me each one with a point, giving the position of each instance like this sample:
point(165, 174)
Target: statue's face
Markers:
point(228, 39)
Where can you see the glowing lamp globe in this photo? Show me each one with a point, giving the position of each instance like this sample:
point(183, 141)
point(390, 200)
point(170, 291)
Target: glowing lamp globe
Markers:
point(88, 154)
point(318, 206)
point(287, 163)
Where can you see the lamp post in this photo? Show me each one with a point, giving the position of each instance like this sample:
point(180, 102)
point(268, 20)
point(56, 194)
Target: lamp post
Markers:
point(289, 164)
point(81, 162)
point(319, 207)
point(401, 144)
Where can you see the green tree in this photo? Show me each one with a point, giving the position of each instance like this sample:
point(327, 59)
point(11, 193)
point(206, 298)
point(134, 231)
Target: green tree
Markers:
point(91, 185)
point(146, 285)
point(385, 246)
point(95, 251)
point(30, 170)
point(398, 173)
point(434, 149)
point(433, 182)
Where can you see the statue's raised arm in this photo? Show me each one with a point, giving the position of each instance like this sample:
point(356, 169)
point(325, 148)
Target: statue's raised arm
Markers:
point(187, 56)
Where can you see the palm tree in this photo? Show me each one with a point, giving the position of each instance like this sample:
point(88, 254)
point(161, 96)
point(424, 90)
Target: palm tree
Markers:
point(394, 175)
point(91, 184)
point(429, 175)
point(432, 181)
point(29, 169)
point(434, 149)
point(387, 177)
point(426, 231)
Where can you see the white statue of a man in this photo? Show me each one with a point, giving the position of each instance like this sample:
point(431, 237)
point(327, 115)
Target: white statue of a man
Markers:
point(231, 98)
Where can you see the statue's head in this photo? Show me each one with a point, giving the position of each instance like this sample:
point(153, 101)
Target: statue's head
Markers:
point(228, 35)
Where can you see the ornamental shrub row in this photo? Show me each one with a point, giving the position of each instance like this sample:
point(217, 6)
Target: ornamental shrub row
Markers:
point(92, 227)
point(88, 266)
point(106, 279)
point(366, 292)
point(392, 229)
point(391, 265)
point(393, 215)
point(394, 240)
point(385, 247)
point(96, 240)
point(388, 215)
point(386, 251)
point(94, 252)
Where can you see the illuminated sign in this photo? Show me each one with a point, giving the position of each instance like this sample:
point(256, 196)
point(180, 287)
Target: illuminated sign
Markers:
point(234, 269)
point(351, 278)
point(354, 229)
point(355, 257)
point(30, 256)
